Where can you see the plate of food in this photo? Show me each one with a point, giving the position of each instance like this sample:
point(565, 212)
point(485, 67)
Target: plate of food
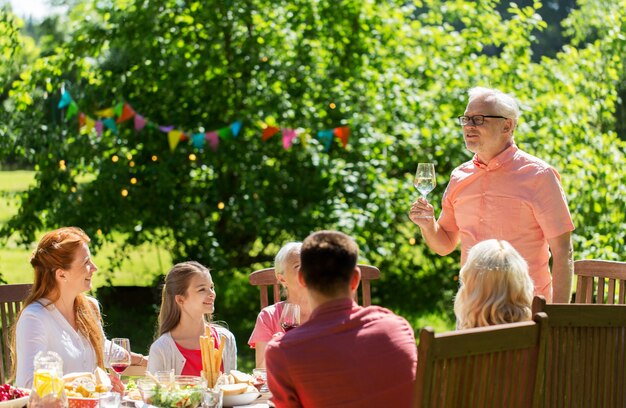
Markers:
point(239, 394)
point(13, 397)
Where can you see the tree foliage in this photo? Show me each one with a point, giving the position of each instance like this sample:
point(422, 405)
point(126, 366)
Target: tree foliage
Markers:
point(396, 73)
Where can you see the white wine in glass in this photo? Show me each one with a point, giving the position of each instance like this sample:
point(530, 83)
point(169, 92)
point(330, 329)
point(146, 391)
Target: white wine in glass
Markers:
point(425, 178)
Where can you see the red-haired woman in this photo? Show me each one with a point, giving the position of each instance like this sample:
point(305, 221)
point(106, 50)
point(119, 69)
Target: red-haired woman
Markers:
point(58, 316)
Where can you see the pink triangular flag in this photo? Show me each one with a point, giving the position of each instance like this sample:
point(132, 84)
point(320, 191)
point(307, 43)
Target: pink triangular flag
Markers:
point(288, 136)
point(140, 122)
point(99, 127)
point(213, 138)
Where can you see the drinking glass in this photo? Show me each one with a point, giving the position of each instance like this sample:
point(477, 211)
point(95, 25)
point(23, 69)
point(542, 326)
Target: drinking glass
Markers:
point(290, 317)
point(147, 388)
point(109, 400)
point(425, 179)
point(212, 398)
point(119, 355)
point(165, 378)
point(260, 376)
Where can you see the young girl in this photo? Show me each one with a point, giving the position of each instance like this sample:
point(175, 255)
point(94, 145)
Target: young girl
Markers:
point(495, 286)
point(188, 294)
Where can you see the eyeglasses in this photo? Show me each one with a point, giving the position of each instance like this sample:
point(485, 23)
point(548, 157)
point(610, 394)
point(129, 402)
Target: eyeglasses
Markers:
point(476, 120)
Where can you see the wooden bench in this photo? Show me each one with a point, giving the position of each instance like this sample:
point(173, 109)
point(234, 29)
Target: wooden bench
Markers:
point(493, 366)
point(585, 364)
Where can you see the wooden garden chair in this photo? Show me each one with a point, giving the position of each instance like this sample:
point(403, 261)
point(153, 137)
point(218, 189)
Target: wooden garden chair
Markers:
point(494, 366)
point(264, 278)
point(585, 364)
point(11, 299)
point(607, 279)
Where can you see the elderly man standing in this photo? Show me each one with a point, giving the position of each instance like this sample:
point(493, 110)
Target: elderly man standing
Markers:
point(345, 355)
point(503, 193)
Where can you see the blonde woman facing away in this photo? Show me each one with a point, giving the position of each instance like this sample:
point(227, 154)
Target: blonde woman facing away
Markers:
point(188, 294)
point(286, 266)
point(495, 286)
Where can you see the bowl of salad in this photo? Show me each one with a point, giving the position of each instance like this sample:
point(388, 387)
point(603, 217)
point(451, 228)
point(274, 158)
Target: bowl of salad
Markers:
point(185, 392)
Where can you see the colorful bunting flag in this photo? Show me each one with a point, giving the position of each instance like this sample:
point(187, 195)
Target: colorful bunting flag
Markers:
point(326, 136)
point(288, 136)
point(124, 112)
point(140, 122)
point(65, 100)
point(213, 139)
point(343, 133)
point(81, 121)
point(99, 127)
point(198, 140)
point(105, 113)
point(89, 124)
point(224, 132)
point(269, 132)
point(118, 109)
point(235, 127)
point(174, 136)
point(72, 110)
point(127, 113)
point(109, 123)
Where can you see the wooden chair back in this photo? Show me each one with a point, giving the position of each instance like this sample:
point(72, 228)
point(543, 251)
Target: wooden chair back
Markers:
point(607, 279)
point(494, 366)
point(11, 298)
point(264, 278)
point(585, 364)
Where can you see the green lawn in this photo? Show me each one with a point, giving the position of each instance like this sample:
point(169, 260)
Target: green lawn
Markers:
point(143, 265)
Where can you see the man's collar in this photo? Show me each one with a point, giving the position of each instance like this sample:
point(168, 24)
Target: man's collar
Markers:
point(497, 161)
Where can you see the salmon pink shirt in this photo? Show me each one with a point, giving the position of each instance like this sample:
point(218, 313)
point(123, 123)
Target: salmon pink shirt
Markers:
point(516, 197)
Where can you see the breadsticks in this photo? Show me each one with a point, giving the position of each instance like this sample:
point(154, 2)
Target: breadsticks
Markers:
point(211, 357)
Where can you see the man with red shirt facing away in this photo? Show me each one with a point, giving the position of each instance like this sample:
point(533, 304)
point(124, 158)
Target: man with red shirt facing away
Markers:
point(345, 355)
point(506, 194)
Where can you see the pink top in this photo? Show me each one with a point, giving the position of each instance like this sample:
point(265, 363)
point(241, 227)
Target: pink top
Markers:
point(193, 358)
point(515, 197)
point(267, 324)
point(344, 356)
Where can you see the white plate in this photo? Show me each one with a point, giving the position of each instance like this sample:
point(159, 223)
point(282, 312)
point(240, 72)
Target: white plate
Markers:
point(15, 403)
point(241, 399)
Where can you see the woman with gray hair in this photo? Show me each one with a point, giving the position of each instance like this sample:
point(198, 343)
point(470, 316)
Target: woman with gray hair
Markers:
point(286, 267)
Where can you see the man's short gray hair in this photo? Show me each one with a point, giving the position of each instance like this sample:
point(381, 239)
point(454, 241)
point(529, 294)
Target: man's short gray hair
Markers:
point(504, 104)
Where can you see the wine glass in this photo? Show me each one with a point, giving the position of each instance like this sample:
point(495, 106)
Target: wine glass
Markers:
point(119, 355)
point(290, 317)
point(425, 179)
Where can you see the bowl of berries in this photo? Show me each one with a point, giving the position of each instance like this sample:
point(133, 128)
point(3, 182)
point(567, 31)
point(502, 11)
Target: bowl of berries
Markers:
point(13, 397)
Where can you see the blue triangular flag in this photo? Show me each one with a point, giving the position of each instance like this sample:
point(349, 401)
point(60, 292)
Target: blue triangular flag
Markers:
point(198, 140)
point(326, 136)
point(235, 127)
point(110, 124)
point(66, 99)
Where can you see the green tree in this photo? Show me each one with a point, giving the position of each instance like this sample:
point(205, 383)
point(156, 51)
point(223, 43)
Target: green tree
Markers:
point(396, 73)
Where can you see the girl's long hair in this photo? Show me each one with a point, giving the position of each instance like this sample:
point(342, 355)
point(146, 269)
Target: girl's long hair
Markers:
point(177, 282)
point(495, 286)
point(57, 250)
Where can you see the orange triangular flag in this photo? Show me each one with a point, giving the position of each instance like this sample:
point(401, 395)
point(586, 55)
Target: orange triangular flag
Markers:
point(343, 133)
point(127, 113)
point(269, 132)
